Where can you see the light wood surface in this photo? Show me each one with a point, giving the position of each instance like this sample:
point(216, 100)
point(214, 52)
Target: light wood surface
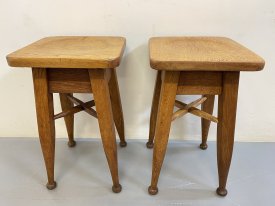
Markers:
point(86, 108)
point(202, 54)
point(102, 99)
point(207, 107)
point(205, 66)
point(165, 111)
point(74, 109)
point(197, 82)
point(45, 121)
point(196, 112)
point(179, 113)
point(69, 80)
point(154, 111)
point(70, 52)
point(101, 80)
point(226, 127)
point(116, 106)
point(66, 104)
point(68, 65)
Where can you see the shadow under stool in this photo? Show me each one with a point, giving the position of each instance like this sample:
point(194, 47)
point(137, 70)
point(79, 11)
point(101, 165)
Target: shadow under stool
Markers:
point(68, 65)
point(206, 66)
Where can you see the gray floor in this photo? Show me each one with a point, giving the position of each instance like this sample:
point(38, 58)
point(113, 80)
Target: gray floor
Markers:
point(188, 177)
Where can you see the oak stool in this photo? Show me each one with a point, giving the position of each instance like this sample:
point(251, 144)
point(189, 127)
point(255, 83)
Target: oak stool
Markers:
point(206, 66)
point(75, 64)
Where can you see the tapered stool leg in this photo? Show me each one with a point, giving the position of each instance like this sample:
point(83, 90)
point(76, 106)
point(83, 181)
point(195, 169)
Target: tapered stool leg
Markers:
point(116, 107)
point(226, 127)
point(208, 107)
point(154, 111)
point(45, 121)
point(66, 104)
point(166, 104)
point(99, 82)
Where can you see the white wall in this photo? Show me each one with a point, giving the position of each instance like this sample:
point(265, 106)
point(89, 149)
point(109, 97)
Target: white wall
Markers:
point(250, 22)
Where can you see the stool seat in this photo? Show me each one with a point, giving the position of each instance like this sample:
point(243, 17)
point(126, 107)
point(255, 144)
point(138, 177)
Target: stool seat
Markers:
point(70, 52)
point(201, 54)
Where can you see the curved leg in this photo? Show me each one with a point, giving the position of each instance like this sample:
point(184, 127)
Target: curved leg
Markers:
point(207, 106)
point(116, 107)
point(226, 127)
point(154, 111)
point(69, 119)
point(45, 121)
point(166, 104)
point(99, 82)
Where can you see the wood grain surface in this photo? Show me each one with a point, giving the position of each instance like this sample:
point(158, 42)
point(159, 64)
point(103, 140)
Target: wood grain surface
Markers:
point(227, 109)
point(202, 54)
point(70, 52)
point(116, 106)
point(198, 82)
point(66, 104)
point(69, 80)
point(165, 111)
point(45, 121)
point(208, 107)
point(99, 82)
point(154, 111)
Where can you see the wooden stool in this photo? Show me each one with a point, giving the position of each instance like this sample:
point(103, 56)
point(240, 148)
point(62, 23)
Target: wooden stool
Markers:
point(68, 65)
point(205, 66)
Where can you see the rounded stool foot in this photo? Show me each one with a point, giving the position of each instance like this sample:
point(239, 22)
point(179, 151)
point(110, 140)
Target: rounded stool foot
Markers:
point(51, 186)
point(123, 144)
point(150, 145)
point(203, 146)
point(116, 188)
point(221, 192)
point(153, 190)
point(71, 143)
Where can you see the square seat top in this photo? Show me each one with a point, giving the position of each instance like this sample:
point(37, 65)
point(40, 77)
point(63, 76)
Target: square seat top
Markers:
point(70, 52)
point(201, 54)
